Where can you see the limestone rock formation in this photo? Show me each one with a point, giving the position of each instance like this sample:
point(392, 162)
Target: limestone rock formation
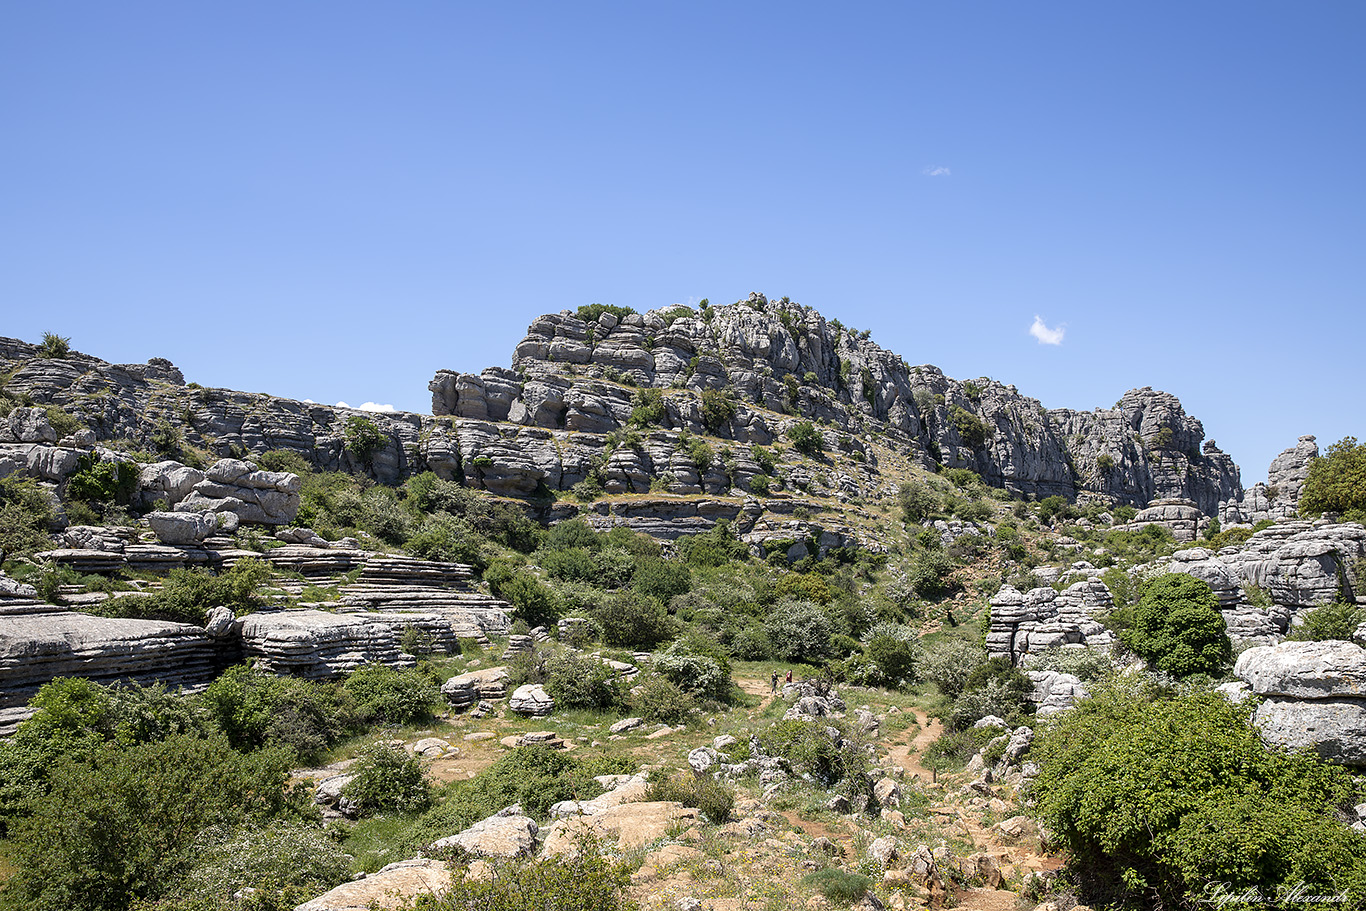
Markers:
point(1279, 497)
point(393, 886)
point(1298, 562)
point(1042, 618)
point(1313, 695)
point(531, 699)
point(507, 834)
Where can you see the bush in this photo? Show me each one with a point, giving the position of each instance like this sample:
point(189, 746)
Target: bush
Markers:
point(971, 430)
point(187, 594)
point(812, 749)
point(25, 515)
point(445, 538)
point(581, 682)
point(1177, 627)
point(287, 863)
point(387, 779)
point(929, 572)
point(765, 459)
point(54, 346)
point(718, 409)
point(1161, 798)
point(706, 794)
point(122, 825)
point(532, 602)
point(389, 695)
point(254, 708)
point(585, 881)
point(1337, 482)
point(895, 658)
point(1331, 621)
point(649, 408)
point(949, 664)
point(96, 481)
point(806, 439)
point(714, 547)
point(662, 579)
point(589, 313)
point(838, 885)
point(364, 438)
point(917, 502)
point(631, 620)
point(799, 631)
point(658, 699)
point(697, 675)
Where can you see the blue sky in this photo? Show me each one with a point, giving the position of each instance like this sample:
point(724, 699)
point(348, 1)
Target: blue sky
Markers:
point(334, 200)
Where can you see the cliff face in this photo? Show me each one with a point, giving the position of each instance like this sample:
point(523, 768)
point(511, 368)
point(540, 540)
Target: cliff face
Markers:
point(783, 362)
point(548, 422)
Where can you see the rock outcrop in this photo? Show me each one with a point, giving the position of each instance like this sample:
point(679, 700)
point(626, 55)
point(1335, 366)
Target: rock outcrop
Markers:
point(393, 886)
point(1025, 623)
point(1313, 695)
point(1278, 498)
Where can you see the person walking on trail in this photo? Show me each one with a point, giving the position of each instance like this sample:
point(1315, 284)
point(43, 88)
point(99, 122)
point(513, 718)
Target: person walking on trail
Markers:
point(789, 677)
point(775, 682)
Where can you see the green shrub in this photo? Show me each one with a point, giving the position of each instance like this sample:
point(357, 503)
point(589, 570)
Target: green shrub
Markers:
point(572, 564)
point(697, 675)
point(531, 601)
point(706, 794)
point(573, 533)
point(364, 438)
point(589, 313)
point(809, 748)
point(387, 779)
point(895, 658)
point(284, 460)
point(581, 682)
point(287, 863)
point(971, 430)
point(953, 749)
point(718, 409)
point(97, 481)
point(662, 579)
point(123, 824)
point(760, 484)
point(838, 885)
point(806, 439)
point(649, 410)
point(585, 881)
point(448, 539)
point(25, 515)
point(1159, 798)
point(1337, 482)
point(1330, 621)
point(629, 619)
point(799, 631)
point(389, 695)
point(917, 501)
point(254, 708)
point(765, 458)
point(714, 547)
point(929, 572)
point(658, 699)
point(54, 346)
point(950, 663)
point(187, 594)
point(63, 423)
point(1177, 627)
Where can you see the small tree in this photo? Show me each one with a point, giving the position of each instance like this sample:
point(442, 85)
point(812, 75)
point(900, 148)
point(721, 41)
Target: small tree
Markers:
point(800, 631)
point(1177, 627)
point(1337, 482)
point(806, 439)
point(718, 409)
point(364, 438)
point(54, 346)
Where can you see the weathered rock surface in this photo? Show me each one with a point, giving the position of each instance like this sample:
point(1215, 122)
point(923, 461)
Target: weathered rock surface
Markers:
point(1025, 623)
point(182, 527)
point(630, 825)
point(317, 644)
point(1278, 498)
point(531, 699)
point(1313, 695)
point(392, 886)
point(511, 835)
point(36, 647)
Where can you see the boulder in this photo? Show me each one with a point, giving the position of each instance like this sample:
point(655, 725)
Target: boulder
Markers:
point(531, 699)
point(393, 886)
point(513, 835)
point(1313, 695)
point(182, 528)
point(630, 825)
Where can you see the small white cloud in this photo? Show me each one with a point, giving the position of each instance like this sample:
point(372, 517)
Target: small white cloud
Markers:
point(371, 406)
point(341, 405)
point(936, 171)
point(1045, 335)
point(310, 402)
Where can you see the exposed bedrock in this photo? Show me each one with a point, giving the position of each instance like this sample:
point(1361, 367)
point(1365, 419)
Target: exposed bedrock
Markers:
point(1313, 695)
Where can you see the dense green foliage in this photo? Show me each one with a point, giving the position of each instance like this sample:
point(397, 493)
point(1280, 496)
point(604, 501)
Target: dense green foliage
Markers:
point(806, 439)
point(1330, 621)
point(589, 313)
point(1157, 797)
point(389, 695)
point(25, 516)
point(1337, 482)
point(387, 779)
point(718, 409)
point(187, 594)
point(1177, 627)
point(364, 438)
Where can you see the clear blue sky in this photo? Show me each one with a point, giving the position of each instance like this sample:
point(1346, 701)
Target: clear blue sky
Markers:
point(334, 200)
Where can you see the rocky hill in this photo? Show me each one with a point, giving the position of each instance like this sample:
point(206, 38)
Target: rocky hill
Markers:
point(740, 375)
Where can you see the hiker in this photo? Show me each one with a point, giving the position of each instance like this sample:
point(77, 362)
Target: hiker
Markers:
point(775, 682)
point(789, 676)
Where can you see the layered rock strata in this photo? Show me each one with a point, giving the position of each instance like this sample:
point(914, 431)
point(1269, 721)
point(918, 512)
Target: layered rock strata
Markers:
point(1313, 695)
point(1033, 622)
